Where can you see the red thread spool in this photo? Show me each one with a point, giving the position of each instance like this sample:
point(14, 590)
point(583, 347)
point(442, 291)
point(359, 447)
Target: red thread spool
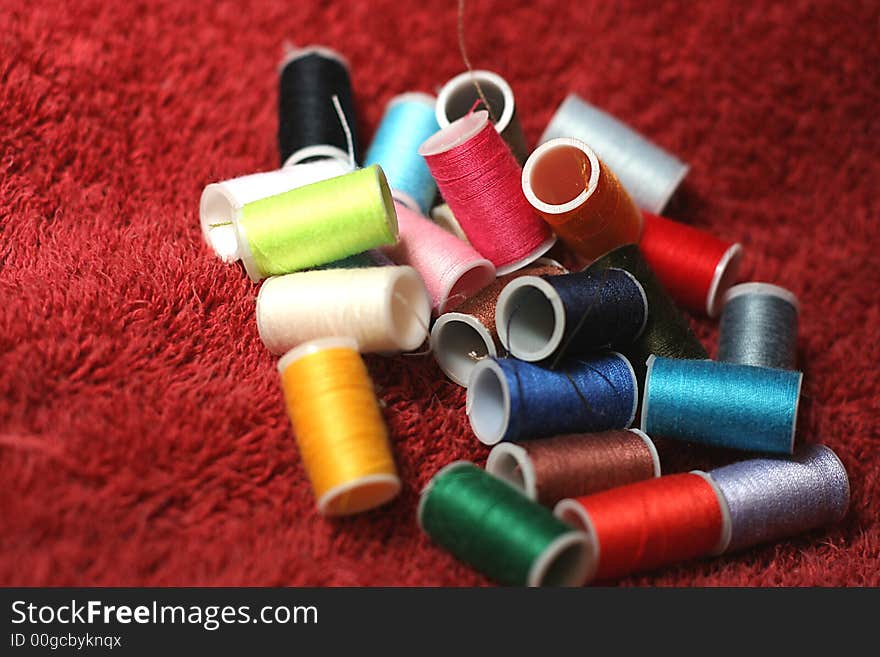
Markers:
point(480, 181)
point(650, 523)
point(580, 197)
point(694, 266)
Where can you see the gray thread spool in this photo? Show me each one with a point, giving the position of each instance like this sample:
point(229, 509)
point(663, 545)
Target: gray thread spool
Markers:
point(759, 326)
point(771, 498)
point(650, 174)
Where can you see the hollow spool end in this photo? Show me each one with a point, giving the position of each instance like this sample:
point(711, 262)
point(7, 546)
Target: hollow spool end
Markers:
point(768, 289)
point(725, 275)
point(512, 463)
point(488, 402)
point(547, 177)
point(457, 97)
point(573, 514)
point(408, 307)
point(530, 318)
point(655, 456)
point(457, 342)
point(468, 279)
point(217, 210)
point(726, 520)
point(566, 561)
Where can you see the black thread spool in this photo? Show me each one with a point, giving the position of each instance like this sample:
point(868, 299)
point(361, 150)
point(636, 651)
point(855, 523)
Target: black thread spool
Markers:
point(308, 125)
point(667, 332)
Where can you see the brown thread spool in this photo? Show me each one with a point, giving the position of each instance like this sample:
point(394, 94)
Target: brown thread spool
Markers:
point(575, 465)
point(462, 338)
point(580, 197)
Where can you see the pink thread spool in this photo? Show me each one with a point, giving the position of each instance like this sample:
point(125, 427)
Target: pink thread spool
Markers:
point(480, 180)
point(452, 270)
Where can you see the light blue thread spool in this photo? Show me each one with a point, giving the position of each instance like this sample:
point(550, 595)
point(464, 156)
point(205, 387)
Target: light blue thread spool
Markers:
point(409, 120)
point(721, 404)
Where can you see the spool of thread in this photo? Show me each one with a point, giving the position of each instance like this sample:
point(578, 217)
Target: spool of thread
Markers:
point(667, 332)
point(316, 224)
point(580, 197)
point(694, 266)
point(409, 120)
point(759, 326)
point(479, 179)
point(650, 174)
point(443, 217)
point(452, 270)
point(222, 201)
point(551, 469)
point(498, 531)
point(342, 439)
point(770, 498)
point(649, 524)
point(308, 126)
point(383, 309)
point(512, 400)
point(462, 338)
point(458, 97)
point(721, 404)
point(570, 315)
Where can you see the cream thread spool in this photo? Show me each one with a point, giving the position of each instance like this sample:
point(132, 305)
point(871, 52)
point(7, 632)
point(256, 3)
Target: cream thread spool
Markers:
point(384, 309)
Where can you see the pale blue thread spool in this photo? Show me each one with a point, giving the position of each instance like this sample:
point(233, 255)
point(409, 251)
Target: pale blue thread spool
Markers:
point(721, 404)
point(409, 120)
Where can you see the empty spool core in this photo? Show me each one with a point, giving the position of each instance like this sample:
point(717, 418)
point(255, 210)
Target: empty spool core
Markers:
point(530, 318)
point(458, 342)
point(409, 309)
point(560, 176)
point(488, 402)
point(511, 463)
point(457, 98)
point(216, 211)
point(472, 278)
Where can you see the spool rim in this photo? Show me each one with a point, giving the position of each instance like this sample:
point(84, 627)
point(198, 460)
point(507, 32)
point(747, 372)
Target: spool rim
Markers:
point(539, 251)
point(570, 512)
point(326, 501)
point(577, 201)
point(465, 79)
point(314, 346)
point(576, 574)
point(726, 521)
point(455, 134)
point(418, 307)
point(649, 366)
point(210, 195)
point(504, 321)
point(325, 151)
point(760, 287)
point(797, 406)
point(635, 383)
point(655, 456)
point(293, 53)
point(463, 269)
point(727, 266)
point(440, 353)
point(244, 250)
point(423, 496)
point(501, 457)
point(261, 326)
point(490, 368)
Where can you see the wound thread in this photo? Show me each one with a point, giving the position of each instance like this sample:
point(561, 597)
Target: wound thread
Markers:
point(342, 439)
point(497, 530)
point(759, 326)
point(550, 469)
point(580, 198)
point(513, 400)
point(308, 127)
point(721, 404)
point(479, 179)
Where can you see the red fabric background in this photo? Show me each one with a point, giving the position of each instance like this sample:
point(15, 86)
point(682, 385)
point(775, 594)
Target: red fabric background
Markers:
point(143, 438)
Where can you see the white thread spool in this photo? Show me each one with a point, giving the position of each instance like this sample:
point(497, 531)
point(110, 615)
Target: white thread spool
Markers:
point(385, 309)
point(221, 203)
point(457, 97)
point(649, 173)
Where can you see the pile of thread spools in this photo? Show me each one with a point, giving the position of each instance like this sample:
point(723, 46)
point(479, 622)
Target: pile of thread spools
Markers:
point(559, 360)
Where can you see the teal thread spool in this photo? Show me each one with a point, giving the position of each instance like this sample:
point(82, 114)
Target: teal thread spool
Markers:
point(316, 224)
point(490, 525)
point(721, 404)
point(409, 120)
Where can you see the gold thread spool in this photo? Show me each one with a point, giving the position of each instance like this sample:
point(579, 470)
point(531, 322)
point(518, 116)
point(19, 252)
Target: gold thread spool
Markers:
point(339, 428)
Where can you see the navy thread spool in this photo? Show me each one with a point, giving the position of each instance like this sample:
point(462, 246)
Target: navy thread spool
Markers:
point(408, 121)
point(667, 332)
point(570, 315)
point(508, 399)
point(759, 326)
point(308, 126)
point(721, 404)
point(771, 498)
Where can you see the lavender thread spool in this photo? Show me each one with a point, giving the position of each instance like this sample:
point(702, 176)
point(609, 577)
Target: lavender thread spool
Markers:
point(759, 326)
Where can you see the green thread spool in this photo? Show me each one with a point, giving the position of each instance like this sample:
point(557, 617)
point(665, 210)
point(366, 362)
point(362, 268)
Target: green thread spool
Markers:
point(490, 525)
point(316, 224)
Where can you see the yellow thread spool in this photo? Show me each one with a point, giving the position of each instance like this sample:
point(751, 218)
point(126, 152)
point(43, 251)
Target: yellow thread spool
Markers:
point(339, 429)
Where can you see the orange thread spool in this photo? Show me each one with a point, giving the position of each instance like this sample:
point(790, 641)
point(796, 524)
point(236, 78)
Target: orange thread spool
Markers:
point(580, 197)
point(342, 438)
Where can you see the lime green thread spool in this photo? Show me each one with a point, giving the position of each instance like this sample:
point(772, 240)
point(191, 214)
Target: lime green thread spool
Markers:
point(316, 224)
point(492, 526)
